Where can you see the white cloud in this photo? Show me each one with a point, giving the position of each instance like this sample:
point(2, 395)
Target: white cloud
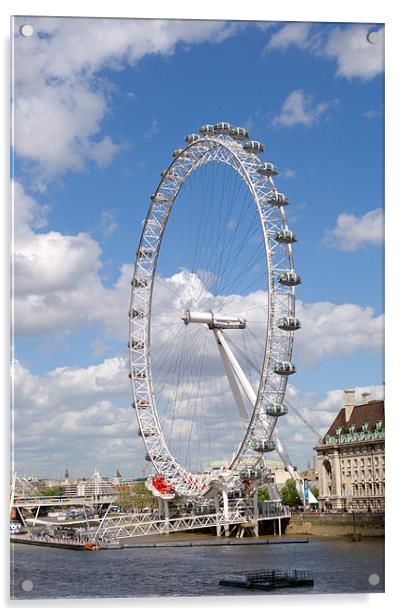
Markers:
point(60, 102)
point(153, 129)
point(57, 278)
point(296, 34)
point(332, 330)
point(353, 232)
point(108, 224)
point(335, 398)
point(298, 108)
point(289, 173)
point(347, 45)
point(355, 56)
point(373, 113)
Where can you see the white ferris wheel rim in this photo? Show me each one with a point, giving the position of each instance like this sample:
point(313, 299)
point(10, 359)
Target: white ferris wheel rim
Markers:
point(281, 302)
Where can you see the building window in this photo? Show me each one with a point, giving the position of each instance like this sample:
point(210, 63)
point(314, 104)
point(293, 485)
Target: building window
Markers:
point(365, 426)
point(351, 429)
point(338, 430)
point(379, 424)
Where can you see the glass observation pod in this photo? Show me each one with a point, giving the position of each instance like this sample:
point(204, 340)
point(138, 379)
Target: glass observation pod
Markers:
point(289, 279)
point(254, 147)
point(136, 314)
point(263, 445)
point(138, 374)
point(239, 133)
point(140, 404)
point(159, 197)
point(250, 473)
point(284, 368)
point(135, 344)
point(192, 137)
point(275, 410)
point(182, 153)
point(147, 457)
point(267, 169)
point(289, 324)
point(207, 129)
point(168, 173)
point(145, 253)
point(222, 127)
point(277, 199)
point(139, 283)
point(285, 236)
point(145, 433)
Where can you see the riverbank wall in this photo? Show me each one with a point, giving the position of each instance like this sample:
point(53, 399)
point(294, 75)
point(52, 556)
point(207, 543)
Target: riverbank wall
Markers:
point(336, 524)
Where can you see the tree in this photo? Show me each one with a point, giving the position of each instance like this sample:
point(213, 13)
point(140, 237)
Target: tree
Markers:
point(51, 491)
point(263, 493)
point(134, 496)
point(315, 491)
point(289, 494)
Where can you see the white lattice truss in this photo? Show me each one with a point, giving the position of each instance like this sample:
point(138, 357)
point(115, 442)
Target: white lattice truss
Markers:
point(281, 303)
point(137, 525)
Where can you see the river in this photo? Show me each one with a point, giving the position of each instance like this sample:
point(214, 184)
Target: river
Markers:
point(337, 566)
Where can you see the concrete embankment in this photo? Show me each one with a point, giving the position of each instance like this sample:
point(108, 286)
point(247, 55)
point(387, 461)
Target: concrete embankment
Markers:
point(336, 524)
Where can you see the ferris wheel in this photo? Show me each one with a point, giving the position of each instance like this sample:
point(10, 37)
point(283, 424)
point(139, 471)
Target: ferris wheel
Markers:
point(212, 315)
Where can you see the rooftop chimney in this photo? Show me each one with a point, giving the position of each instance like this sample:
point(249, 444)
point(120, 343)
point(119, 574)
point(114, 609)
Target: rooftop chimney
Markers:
point(349, 402)
point(365, 397)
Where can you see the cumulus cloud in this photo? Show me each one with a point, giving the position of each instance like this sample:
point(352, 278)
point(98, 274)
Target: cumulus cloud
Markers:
point(75, 416)
point(331, 330)
point(348, 46)
point(298, 108)
point(57, 278)
point(355, 56)
point(296, 34)
point(60, 100)
point(352, 232)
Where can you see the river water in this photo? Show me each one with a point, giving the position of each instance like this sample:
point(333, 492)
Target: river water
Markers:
point(337, 566)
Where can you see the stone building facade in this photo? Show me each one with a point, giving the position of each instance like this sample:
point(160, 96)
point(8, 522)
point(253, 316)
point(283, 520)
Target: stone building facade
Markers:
point(350, 458)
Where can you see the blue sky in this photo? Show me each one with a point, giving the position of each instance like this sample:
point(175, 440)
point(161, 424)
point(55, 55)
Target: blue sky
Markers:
point(93, 129)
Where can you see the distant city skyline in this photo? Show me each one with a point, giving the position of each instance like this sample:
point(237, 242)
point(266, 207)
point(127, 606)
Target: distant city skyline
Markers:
point(93, 129)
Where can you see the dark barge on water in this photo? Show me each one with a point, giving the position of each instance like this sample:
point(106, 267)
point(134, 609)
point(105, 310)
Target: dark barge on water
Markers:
point(268, 580)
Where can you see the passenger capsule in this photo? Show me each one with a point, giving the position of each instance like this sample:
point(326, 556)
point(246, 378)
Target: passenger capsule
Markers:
point(141, 405)
point(263, 445)
point(145, 253)
point(289, 324)
point(147, 457)
point(159, 197)
point(138, 374)
point(140, 283)
point(254, 147)
point(250, 473)
point(192, 137)
point(135, 344)
point(275, 410)
point(239, 133)
point(133, 313)
point(145, 433)
point(285, 236)
point(277, 199)
point(207, 129)
point(289, 279)
point(167, 173)
point(222, 127)
point(284, 368)
point(267, 169)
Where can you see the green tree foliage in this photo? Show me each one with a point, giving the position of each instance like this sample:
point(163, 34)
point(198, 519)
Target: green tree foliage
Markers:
point(289, 494)
point(134, 496)
point(315, 491)
point(263, 493)
point(51, 491)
